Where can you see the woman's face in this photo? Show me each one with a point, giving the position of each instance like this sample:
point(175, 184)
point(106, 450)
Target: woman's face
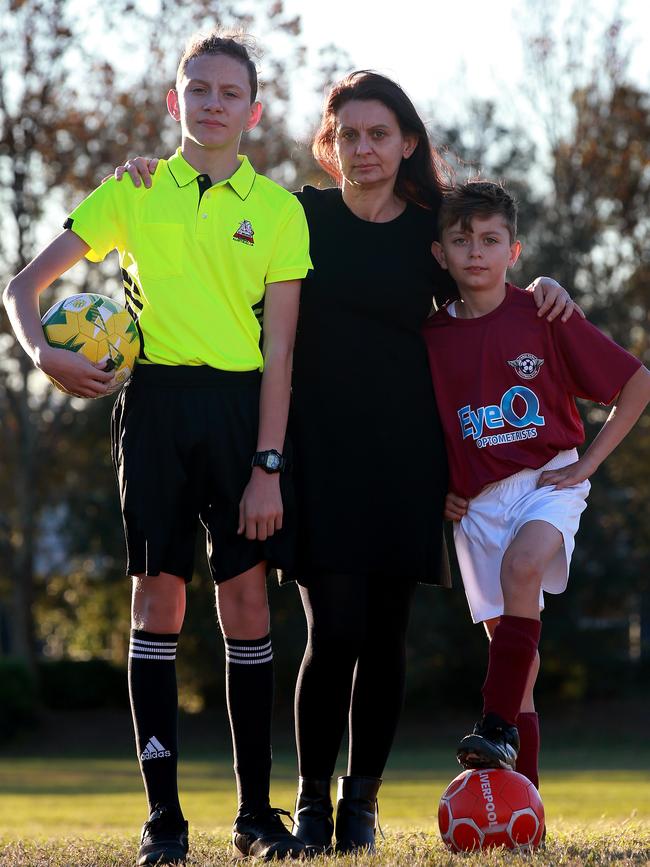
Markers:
point(369, 143)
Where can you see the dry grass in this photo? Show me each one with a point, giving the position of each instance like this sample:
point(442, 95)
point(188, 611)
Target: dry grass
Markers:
point(624, 844)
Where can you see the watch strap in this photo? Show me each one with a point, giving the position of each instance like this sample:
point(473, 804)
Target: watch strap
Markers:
point(270, 460)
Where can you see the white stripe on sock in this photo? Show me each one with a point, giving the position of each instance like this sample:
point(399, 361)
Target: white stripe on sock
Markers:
point(248, 660)
point(249, 654)
point(248, 648)
point(162, 651)
point(142, 643)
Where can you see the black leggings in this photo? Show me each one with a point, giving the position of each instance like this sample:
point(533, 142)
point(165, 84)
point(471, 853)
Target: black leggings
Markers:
point(354, 664)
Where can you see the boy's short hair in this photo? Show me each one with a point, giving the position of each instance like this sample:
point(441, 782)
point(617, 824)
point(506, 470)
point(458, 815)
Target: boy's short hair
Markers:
point(478, 199)
point(232, 43)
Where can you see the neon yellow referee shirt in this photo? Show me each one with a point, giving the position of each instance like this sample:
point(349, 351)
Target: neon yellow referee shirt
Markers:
point(196, 258)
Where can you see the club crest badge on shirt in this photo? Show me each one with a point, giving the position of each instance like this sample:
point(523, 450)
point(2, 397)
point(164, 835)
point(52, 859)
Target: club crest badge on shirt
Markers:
point(527, 365)
point(244, 233)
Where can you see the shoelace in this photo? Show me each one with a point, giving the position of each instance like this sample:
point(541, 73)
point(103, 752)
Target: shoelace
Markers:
point(278, 812)
point(158, 818)
point(274, 812)
point(383, 836)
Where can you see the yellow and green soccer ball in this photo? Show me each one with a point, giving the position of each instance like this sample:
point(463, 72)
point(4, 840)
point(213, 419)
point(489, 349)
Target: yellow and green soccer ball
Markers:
point(99, 328)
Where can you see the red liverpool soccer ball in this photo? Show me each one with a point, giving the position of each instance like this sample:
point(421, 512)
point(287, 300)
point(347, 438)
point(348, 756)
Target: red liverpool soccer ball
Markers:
point(485, 808)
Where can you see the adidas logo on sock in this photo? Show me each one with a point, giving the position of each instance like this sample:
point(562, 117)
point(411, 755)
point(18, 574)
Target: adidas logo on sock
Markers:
point(154, 750)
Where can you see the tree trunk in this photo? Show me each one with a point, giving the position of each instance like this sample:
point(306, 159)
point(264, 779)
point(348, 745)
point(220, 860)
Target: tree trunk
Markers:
point(22, 639)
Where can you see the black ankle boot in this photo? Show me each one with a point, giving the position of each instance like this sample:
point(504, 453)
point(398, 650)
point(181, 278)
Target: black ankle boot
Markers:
point(356, 813)
point(313, 823)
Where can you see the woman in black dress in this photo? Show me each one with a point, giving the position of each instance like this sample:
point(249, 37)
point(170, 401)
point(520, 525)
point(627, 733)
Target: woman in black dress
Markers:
point(370, 466)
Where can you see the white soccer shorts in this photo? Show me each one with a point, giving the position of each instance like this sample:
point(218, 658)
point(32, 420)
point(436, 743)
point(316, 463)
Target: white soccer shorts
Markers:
point(493, 519)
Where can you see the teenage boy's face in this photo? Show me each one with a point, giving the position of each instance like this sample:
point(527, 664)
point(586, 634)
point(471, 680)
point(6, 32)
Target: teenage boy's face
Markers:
point(369, 142)
point(477, 258)
point(212, 102)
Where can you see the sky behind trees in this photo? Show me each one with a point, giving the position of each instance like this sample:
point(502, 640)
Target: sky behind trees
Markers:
point(445, 53)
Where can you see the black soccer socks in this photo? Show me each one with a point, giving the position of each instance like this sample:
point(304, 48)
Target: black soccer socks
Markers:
point(249, 692)
point(154, 705)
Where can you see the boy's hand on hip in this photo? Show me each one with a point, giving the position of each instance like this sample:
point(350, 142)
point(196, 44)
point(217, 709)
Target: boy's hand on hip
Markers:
point(260, 509)
point(455, 507)
point(565, 477)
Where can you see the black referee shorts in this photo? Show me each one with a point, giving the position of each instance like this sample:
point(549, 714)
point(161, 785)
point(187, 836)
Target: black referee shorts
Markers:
point(182, 442)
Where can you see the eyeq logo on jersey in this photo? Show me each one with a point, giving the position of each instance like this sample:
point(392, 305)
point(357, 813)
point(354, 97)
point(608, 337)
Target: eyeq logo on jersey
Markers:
point(519, 407)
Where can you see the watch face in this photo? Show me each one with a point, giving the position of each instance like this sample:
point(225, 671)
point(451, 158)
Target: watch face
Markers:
point(272, 462)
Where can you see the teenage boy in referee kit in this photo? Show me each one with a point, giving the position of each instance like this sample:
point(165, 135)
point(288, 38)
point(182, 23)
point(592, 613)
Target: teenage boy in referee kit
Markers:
point(505, 382)
point(198, 432)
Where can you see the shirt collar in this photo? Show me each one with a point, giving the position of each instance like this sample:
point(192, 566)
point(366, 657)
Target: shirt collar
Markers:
point(241, 181)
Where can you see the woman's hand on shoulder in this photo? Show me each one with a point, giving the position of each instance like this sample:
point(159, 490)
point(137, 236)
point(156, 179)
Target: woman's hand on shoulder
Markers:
point(139, 169)
point(553, 300)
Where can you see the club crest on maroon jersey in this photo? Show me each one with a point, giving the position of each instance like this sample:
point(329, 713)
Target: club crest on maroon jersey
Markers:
point(527, 365)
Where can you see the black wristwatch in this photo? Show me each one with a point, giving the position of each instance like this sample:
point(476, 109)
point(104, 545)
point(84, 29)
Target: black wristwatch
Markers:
point(270, 461)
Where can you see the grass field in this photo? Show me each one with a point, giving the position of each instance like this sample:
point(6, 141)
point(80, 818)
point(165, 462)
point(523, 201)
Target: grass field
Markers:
point(68, 807)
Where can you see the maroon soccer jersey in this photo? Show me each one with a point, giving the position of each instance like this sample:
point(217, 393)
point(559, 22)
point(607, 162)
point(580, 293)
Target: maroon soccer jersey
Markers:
point(505, 386)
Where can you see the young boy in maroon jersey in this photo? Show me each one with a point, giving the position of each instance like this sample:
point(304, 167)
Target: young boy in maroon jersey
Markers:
point(505, 382)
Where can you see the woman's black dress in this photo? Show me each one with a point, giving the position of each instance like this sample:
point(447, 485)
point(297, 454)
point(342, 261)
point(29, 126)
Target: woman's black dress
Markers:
point(370, 467)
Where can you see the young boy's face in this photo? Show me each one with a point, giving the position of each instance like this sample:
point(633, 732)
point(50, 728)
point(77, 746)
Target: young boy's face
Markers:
point(212, 102)
point(477, 258)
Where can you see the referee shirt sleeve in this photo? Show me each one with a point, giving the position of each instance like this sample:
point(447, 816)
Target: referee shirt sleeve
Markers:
point(99, 220)
point(290, 259)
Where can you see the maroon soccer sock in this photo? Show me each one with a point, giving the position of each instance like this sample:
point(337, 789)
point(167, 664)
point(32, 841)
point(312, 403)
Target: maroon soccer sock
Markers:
point(512, 651)
point(528, 758)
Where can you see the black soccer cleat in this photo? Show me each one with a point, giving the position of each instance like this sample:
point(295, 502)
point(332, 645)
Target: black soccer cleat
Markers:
point(164, 839)
point(263, 835)
point(492, 744)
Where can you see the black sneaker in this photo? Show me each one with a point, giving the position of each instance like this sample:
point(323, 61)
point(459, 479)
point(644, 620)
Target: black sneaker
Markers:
point(164, 839)
point(492, 744)
point(263, 835)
